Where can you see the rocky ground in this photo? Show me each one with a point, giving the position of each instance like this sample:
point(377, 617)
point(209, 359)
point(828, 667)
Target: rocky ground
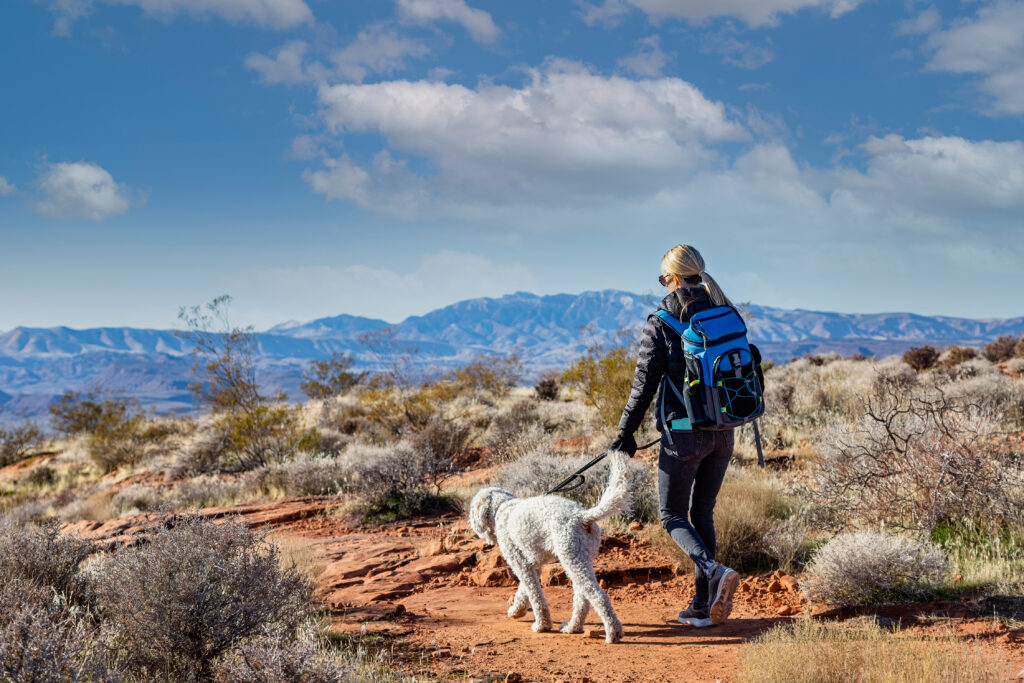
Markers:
point(432, 593)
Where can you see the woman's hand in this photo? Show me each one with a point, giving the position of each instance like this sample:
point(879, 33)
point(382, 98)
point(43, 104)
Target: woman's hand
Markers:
point(625, 443)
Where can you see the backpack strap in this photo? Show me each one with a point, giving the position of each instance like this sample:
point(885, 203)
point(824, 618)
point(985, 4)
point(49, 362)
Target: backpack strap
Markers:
point(673, 322)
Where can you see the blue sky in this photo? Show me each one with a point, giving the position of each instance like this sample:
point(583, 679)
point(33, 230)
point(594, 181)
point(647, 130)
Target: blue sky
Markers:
point(316, 157)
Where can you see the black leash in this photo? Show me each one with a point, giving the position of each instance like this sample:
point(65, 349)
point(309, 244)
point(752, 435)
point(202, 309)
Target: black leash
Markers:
point(564, 485)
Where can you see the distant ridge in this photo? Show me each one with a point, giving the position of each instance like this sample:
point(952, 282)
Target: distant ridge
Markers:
point(37, 364)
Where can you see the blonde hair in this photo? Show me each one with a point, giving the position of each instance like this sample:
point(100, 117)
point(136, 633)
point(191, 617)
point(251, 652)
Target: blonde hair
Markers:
point(686, 262)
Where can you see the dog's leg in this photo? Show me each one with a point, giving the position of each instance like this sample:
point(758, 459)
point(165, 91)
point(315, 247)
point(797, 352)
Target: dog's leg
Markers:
point(581, 572)
point(519, 603)
point(529, 579)
point(580, 608)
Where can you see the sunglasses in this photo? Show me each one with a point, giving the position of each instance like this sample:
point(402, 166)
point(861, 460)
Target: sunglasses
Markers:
point(663, 280)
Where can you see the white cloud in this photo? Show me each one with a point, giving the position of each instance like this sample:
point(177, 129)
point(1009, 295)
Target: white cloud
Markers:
point(751, 12)
point(438, 279)
point(609, 13)
point(80, 190)
point(942, 175)
point(567, 133)
point(6, 187)
point(649, 60)
point(378, 50)
point(274, 14)
point(375, 50)
point(991, 45)
point(477, 22)
point(925, 21)
point(741, 53)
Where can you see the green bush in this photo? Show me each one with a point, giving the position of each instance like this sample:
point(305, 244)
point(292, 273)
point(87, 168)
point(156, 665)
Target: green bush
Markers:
point(16, 443)
point(604, 379)
point(331, 377)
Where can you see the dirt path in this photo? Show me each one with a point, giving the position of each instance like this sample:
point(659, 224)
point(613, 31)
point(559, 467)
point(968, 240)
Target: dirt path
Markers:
point(432, 587)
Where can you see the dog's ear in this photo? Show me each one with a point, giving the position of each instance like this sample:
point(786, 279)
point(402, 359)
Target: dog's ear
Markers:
point(481, 515)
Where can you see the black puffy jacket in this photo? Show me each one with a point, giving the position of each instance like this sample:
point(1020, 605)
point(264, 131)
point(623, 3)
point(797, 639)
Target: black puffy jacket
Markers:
point(661, 350)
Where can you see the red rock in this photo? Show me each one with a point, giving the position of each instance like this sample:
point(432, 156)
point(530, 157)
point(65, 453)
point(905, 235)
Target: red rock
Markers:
point(636, 526)
point(492, 560)
point(512, 677)
point(493, 577)
point(778, 573)
point(774, 587)
point(785, 610)
point(553, 575)
point(441, 653)
point(594, 633)
point(790, 583)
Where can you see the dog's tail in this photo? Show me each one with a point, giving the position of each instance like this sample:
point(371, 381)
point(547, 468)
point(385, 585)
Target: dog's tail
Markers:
point(616, 498)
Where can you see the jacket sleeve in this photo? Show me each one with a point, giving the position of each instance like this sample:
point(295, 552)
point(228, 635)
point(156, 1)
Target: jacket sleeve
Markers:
point(650, 366)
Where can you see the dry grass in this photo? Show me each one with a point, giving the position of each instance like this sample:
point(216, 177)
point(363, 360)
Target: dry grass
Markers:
point(809, 651)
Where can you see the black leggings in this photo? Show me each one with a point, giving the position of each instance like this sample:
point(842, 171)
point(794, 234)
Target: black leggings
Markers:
point(690, 474)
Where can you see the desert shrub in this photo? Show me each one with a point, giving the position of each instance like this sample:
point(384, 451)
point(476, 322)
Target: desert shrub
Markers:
point(536, 472)
point(193, 592)
point(444, 440)
point(921, 357)
point(121, 438)
point(1003, 348)
point(204, 491)
point(604, 379)
point(1015, 366)
point(1018, 348)
point(547, 387)
point(790, 543)
point(267, 659)
point(243, 440)
point(75, 412)
point(16, 443)
point(749, 506)
point(914, 460)
point(515, 430)
point(136, 498)
point(306, 475)
point(398, 481)
point(400, 410)
point(872, 568)
point(44, 556)
point(40, 643)
point(487, 375)
point(41, 476)
point(330, 377)
point(810, 651)
point(991, 394)
point(991, 559)
point(955, 355)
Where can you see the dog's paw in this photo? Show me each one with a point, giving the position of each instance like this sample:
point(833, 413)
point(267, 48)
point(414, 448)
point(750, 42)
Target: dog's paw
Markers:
point(540, 626)
point(615, 635)
point(567, 627)
point(516, 613)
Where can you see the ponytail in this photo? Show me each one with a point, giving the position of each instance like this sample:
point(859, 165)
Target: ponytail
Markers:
point(686, 262)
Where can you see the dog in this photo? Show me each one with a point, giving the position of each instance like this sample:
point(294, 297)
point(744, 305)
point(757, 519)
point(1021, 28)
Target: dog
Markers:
point(533, 531)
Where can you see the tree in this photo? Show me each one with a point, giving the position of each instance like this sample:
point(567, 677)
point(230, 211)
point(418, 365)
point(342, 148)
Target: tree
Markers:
point(331, 377)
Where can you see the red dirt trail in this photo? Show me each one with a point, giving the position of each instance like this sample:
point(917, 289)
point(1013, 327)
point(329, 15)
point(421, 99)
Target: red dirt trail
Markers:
point(435, 589)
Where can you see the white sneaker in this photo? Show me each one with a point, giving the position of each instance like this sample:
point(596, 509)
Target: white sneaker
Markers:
point(722, 583)
point(695, 618)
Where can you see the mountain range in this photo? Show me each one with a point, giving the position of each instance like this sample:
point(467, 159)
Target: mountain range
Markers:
point(154, 366)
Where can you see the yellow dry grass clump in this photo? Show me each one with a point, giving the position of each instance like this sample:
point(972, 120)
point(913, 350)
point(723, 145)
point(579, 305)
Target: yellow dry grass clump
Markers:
point(819, 652)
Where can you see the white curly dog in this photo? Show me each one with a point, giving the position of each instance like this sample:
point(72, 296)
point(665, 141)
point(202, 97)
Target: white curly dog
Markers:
point(533, 531)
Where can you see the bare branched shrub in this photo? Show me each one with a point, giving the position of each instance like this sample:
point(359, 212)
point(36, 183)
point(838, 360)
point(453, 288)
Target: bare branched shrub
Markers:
point(306, 475)
point(913, 460)
point(955, 355)
point(444, 440)
point(269, 659)
point(193, 592)
point(547, 386)
point(330, 377)
point(871, 568)
point(136, 498)
point(41, 554)
point(397, 481)
point(515, 431)
point(921, 358)
point(39, 643)
point(536, 472)
point(17, 442)
point(1003, 348)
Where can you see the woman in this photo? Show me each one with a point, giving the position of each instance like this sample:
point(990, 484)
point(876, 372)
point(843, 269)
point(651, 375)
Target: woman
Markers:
point(691, 464)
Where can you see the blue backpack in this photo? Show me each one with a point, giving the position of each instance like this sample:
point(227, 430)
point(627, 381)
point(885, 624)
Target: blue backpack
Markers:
point(723, 386)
